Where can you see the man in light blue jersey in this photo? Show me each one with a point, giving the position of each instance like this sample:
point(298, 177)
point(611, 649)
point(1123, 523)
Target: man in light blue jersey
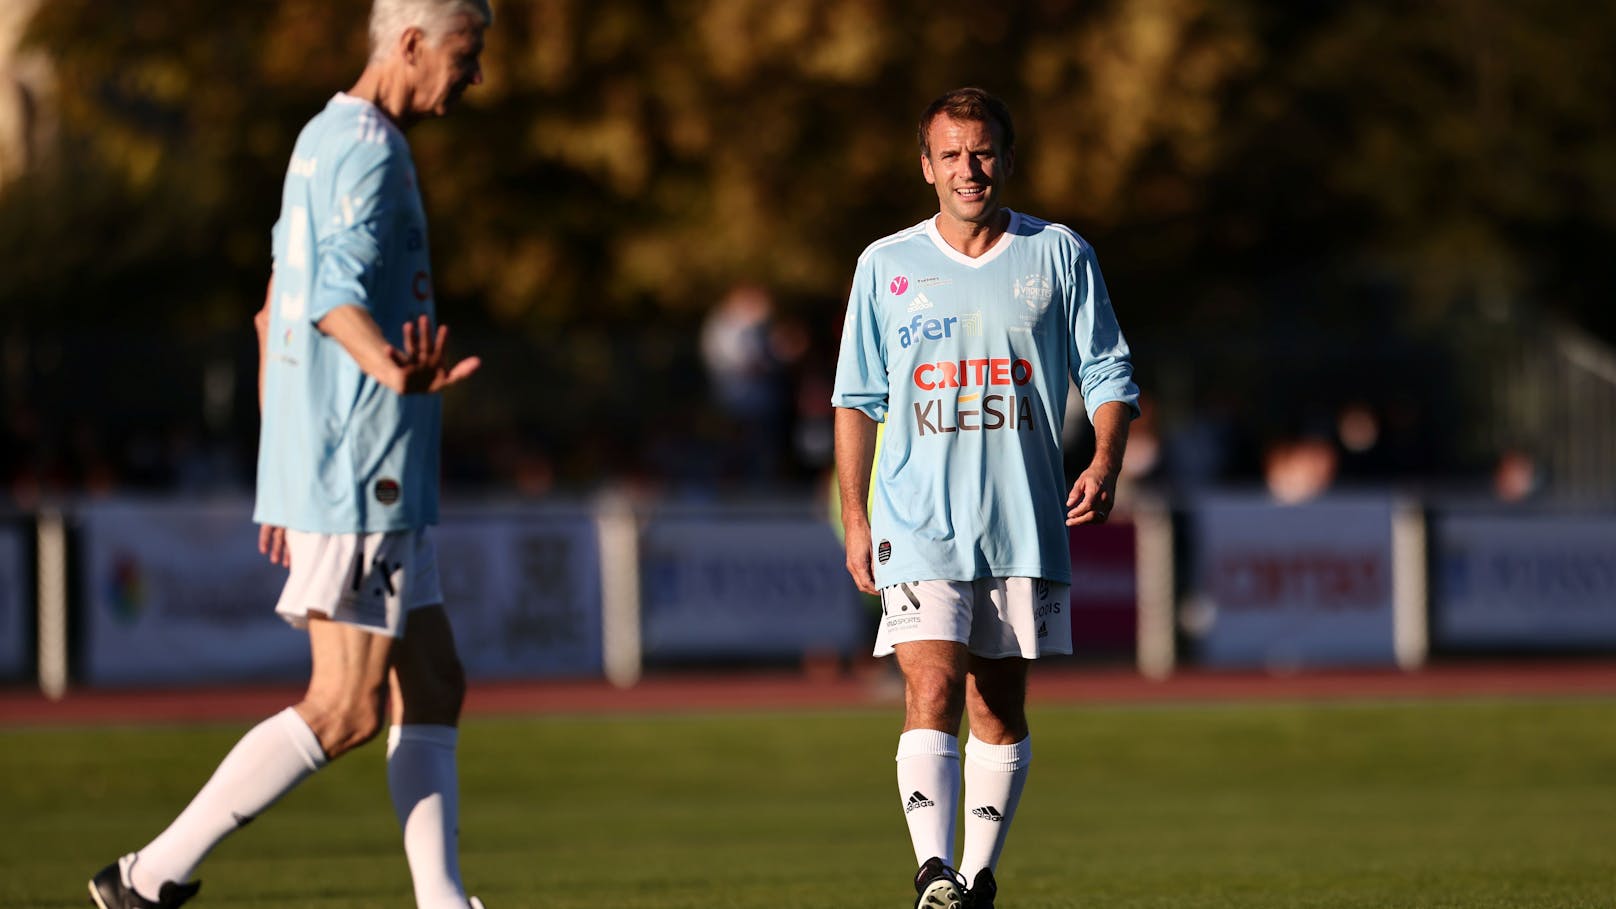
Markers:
point(349, 367)
point(961, 334)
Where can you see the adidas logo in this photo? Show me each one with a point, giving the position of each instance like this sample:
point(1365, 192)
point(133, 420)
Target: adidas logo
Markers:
point(1043, 630)
point(988, 813)
point(917, 800)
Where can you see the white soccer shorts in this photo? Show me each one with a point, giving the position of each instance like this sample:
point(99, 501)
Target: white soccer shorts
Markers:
point(367, 580)
point(993, 617)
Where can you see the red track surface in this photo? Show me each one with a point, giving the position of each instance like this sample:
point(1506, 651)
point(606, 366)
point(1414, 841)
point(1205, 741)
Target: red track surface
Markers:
point(829, 689)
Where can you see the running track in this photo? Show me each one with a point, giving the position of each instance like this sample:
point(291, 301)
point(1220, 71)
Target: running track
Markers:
point(829, 688)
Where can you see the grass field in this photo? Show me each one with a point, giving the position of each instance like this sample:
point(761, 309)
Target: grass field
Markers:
point(1428, 804)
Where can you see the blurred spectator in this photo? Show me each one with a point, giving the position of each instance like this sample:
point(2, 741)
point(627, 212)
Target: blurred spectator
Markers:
point(748, 378)
point(1199, 452)
point(1298, 469)
point(1516, 477)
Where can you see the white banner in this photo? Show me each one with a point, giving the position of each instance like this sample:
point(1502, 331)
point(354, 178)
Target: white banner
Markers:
point(15, 586)
point(744, 586)
point(1524, 581)
point(178, 592)
point(522, 591)
point(1287, 586)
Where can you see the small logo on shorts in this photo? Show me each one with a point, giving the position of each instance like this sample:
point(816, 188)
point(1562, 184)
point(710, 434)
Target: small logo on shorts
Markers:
point(1042, 586)
point(387, 490)
point(883, 553)
point(1043, 630)
point(988, 813)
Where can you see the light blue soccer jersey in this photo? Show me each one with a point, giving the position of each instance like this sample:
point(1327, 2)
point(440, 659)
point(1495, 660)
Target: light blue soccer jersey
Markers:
point(966, 360)
point(338, 452)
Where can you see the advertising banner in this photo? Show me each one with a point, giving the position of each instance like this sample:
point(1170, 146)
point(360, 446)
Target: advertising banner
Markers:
point(1523, 581)
point(1290, 586)
point(178, 592)
point(1105, 595)
point(522, 591)
point(747, 586)
point(16, 585)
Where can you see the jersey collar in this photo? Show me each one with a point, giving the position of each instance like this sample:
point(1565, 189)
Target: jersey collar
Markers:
point(994, 252)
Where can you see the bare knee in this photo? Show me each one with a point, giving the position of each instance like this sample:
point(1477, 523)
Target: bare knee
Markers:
point(343, 724)
point(997, 701)
point(934, 698)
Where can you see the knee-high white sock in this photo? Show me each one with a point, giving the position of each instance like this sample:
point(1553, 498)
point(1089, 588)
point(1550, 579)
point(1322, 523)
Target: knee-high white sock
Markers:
point(928, 786)
point(994, 777)
point(270, 759)
point(422, 778)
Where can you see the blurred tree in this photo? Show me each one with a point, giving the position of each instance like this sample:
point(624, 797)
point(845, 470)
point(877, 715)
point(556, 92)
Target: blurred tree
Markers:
point(1250, 169)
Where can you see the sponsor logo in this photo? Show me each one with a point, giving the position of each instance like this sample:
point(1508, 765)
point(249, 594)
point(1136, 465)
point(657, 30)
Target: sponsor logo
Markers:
point(995, 412)
point(971, 324)
point(920, 303)
point(988, 813)
point(884, 551)
point(382, 571)
point(1034, 291)
point(965, 373)
point(1041, 586)
point(933, 282)
point(902, 621)
point(1046, 609)
point(921, 328)
point(917, 800)
point(1043, 630)
point(991, 411)
point(126, 588)
point(303, 167)
point(909, 594)
point(387, 490)
point(1325, 579)
point(898, 285)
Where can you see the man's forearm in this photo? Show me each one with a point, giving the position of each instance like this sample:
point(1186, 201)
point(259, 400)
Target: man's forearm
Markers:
point(855, 450)
point(1110, 436)
point(352, 327)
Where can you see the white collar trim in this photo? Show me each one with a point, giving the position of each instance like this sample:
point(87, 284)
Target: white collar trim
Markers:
point(994, 251)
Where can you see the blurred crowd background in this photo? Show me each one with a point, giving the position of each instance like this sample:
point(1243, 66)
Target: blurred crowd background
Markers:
point(1351, 243)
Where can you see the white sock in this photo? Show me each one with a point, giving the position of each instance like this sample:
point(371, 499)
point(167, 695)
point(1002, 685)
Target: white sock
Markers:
point(270, 759)
point(994, 777)
point(928, 788)
point(422, 779)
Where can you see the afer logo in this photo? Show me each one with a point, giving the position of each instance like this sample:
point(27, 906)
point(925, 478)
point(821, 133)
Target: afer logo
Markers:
point(921, 328)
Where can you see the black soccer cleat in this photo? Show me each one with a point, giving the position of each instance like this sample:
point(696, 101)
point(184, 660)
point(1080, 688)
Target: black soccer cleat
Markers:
point(111, 889)
point(938, 886)
point(982, 891)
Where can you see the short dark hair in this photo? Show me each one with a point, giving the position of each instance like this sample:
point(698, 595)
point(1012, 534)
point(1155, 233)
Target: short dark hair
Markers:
point(969, 104)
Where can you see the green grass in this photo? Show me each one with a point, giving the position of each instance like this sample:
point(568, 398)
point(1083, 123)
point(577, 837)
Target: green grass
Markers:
point(1454, 804)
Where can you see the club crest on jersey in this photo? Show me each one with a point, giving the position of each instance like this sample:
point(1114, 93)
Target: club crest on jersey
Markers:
point(1035, 291)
